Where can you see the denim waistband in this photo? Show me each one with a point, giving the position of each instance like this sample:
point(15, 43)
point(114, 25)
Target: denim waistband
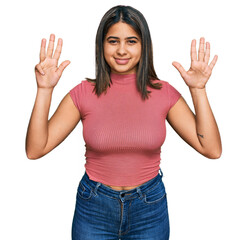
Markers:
point(124, 194)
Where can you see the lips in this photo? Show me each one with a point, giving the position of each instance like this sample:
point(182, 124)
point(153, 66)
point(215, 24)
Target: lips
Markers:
point(122, 61)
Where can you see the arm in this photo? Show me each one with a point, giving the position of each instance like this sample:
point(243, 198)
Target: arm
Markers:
point(199, 130)
point(43, 135)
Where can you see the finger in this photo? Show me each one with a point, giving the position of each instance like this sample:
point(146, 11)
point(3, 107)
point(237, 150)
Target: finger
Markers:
point(62, 66)
point(201, 49)
point(50, 46)
point(39, 69)
point(207, 55)
point(42, 50)
point(193, 50)
point(179, 67)
point(58, 49)
point(212, 64)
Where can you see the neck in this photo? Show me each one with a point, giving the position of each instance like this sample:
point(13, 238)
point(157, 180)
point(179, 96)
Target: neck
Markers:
point(123, 78)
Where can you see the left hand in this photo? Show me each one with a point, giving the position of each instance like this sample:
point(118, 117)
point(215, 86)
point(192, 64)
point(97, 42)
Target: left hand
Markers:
point(199, 72)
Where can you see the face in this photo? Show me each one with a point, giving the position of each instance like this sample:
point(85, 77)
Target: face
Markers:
point(122, 48)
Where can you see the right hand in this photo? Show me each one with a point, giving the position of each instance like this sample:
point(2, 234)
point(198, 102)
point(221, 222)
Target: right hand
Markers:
point(48, 64)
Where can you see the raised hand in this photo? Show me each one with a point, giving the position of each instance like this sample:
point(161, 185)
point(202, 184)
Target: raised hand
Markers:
point(199, 72)
point(46, 71)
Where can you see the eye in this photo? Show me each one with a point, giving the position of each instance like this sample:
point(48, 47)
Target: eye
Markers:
point(112, 41)
point(132, 41)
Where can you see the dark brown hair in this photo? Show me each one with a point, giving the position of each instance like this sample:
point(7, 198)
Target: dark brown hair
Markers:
point(145, 69)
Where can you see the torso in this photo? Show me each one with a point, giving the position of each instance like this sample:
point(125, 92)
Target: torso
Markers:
point(121, 188)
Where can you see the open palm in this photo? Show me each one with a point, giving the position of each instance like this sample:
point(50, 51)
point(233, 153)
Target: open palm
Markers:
point(47, 73)
point(199, 72)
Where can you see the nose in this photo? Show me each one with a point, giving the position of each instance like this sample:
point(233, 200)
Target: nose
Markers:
point(121, 50)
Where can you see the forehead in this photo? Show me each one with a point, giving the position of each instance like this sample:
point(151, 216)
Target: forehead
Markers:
point(121, 29)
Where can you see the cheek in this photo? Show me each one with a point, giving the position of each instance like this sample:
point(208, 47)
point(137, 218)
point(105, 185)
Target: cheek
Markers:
point(137, 52)
point(108, 53)
point(106, 50)
point(106, 56)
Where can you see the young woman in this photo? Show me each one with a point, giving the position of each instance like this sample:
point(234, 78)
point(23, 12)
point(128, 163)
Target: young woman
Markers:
point(121, 194)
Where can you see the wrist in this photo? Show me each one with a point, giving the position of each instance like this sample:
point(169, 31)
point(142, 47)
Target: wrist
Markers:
point(45, 90)
point(197, 90)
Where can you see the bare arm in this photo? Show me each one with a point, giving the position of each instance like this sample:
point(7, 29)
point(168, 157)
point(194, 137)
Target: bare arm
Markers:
point(200, 130)
point(43, 135)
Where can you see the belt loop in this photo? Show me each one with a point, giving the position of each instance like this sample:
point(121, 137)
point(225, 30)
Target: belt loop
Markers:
point(96, 188)
point(161, 172)
point(139, 192)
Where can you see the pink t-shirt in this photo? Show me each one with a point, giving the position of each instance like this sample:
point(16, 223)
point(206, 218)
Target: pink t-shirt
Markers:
point(122, 132)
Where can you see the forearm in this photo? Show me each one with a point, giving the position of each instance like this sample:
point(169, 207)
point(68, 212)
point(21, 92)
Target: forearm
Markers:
point(37, 133)
point(206, 126)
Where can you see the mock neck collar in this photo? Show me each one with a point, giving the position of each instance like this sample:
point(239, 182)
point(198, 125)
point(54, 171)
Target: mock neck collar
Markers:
point(123, 78)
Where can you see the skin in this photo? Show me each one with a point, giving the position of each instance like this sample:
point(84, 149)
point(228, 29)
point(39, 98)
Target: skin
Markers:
point(199, 130)
point(122, 42)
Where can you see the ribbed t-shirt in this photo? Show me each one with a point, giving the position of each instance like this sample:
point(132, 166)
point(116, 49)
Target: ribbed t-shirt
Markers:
point(123, 134)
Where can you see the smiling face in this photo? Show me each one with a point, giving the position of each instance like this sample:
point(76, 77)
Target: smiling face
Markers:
point(122, 48)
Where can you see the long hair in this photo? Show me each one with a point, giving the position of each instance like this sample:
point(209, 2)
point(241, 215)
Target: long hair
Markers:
point(145, 69)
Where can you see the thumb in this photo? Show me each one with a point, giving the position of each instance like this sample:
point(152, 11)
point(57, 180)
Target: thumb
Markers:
point(39, 69)
point(62, 66)
point(179, 67)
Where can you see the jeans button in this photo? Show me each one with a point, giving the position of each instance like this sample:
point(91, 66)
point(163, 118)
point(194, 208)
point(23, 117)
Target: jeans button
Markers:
point(122, 194)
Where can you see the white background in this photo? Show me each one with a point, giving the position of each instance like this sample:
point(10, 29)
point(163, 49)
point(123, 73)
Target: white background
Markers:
point(206, 198)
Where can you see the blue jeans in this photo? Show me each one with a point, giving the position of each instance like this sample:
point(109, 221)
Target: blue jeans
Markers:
point(102, 213)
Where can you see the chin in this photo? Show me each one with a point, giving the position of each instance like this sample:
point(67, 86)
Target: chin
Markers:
point(123, 70)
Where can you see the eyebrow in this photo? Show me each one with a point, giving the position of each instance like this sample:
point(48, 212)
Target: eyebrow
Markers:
point(125, 38)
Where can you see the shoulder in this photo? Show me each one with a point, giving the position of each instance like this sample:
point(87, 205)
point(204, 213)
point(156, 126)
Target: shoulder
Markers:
point(79, 95)
point(168, 91)
point(166, 86)
point(84, 83)
point(82, 86)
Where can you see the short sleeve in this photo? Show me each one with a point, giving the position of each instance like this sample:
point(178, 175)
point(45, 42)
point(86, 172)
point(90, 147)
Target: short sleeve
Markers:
point(78, 97)
point(173, 94)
